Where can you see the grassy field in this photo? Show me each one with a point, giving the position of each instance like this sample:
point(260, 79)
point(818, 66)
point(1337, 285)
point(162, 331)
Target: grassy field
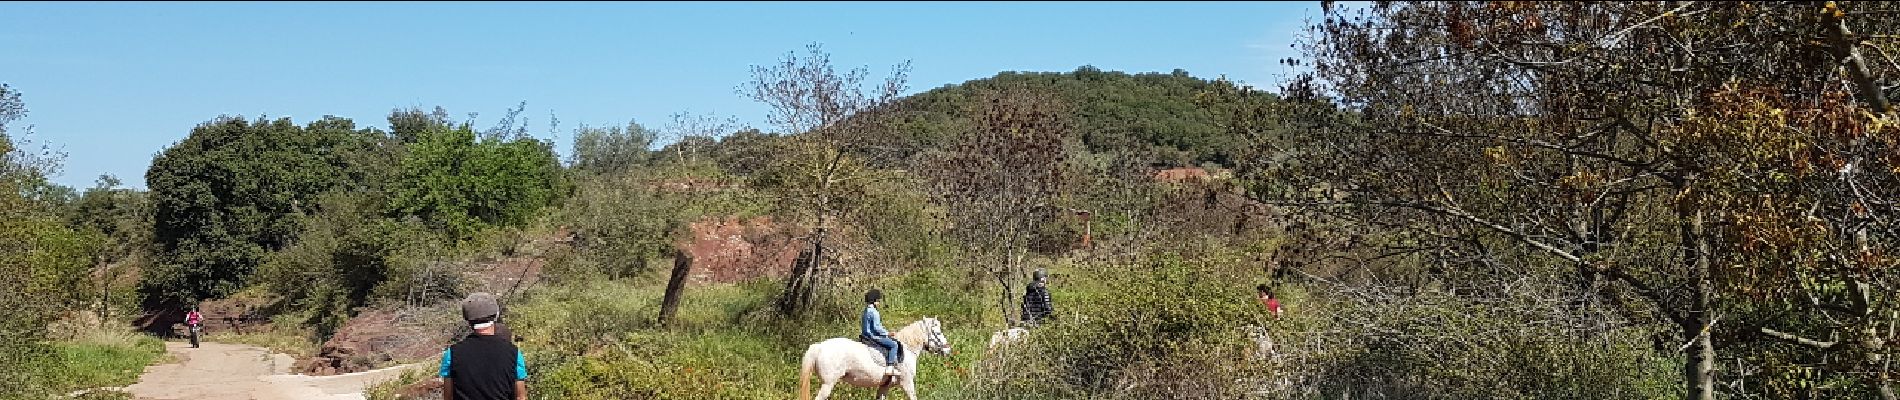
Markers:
point(599, 338)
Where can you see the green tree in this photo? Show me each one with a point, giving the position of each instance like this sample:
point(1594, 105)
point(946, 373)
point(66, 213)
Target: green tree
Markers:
point(231, 192)
point(407, 124)
point(622, 221)
point(460, 184)
point(43, 261)
point(611, 149)
point(123, 217)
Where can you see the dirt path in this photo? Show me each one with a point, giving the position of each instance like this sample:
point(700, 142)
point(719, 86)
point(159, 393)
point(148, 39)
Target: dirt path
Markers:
point(219, 371)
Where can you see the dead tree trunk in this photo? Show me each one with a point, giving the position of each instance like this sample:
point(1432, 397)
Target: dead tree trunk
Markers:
point(669, 305)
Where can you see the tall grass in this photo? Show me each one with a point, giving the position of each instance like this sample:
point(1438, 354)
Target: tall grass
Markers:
point(103, 357)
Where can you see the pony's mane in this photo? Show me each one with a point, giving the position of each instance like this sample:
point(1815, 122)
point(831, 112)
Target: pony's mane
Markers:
point(911, 335)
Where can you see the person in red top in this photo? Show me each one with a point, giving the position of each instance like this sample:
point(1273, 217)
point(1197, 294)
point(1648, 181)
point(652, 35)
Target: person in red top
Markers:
point(1267, 299)
point(194, 323)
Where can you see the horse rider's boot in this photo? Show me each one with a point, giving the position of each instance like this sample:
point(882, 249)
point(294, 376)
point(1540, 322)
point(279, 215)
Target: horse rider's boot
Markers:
point(890, 370)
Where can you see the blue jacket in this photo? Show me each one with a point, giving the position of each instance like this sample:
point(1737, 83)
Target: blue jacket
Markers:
point(873, 325)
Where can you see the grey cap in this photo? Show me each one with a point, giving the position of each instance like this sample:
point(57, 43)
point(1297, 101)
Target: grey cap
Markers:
point(478, 306)
point(1041, 274)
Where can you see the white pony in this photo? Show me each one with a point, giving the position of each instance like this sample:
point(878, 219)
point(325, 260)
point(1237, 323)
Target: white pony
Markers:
point(861, 365)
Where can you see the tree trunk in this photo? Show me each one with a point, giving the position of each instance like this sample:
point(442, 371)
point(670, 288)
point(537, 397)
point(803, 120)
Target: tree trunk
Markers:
point(669, 305)
point(798, 283)
point(1703, 380)
point(1699, 358)
point(813, 267)
point(1872, 343)
point(1002, 279)
point(800, 286)
point(1874, 353)
point(105, 291)
point(1886, 364)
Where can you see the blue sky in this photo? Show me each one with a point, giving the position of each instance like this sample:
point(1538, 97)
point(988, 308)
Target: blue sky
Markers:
point(112, 84)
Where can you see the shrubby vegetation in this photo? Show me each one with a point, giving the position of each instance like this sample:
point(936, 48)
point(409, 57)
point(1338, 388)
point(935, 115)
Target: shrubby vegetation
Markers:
point(1545, 207)
point(344, 255)
point(45, 260)
point(623, 220)
point(1164, 325)
point(1732, 205)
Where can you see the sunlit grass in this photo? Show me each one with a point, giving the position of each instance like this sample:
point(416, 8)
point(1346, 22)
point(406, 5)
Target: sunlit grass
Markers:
point(105, 358)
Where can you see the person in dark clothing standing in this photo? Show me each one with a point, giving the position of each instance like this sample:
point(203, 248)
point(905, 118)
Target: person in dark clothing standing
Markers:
point(1036, 307)
point(483, 366)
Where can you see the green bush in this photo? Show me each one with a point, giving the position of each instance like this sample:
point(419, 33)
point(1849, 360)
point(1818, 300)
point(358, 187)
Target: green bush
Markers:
point(43, 267)
point(671, 365)
point(343, 256)
point(460, 184)
point(597, 340)
point(624, 220)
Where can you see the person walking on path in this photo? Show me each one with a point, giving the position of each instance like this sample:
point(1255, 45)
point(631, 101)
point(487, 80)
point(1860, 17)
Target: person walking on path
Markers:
point(483, 366)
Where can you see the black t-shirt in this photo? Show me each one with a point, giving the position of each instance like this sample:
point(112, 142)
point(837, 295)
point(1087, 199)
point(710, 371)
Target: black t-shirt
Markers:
point(484, 367)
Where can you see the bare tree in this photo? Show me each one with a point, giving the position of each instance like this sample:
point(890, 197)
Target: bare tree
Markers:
point(692, 134)
point(1001, 179)
point(810, 99)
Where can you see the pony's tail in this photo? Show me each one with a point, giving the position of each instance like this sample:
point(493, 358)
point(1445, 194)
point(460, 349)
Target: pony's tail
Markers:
point(804, 376)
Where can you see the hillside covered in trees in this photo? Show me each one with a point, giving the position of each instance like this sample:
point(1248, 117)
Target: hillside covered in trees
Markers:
point(1145, 120)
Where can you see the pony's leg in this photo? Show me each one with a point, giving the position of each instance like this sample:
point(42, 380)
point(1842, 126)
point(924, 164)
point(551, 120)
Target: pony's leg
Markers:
point(910, 387)
point(883, 391)
point(824, 391)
